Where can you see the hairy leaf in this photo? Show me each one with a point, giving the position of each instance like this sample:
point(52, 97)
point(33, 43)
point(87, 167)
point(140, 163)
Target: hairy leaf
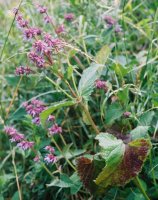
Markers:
point(135, 154)
point(87, 81)
point(85, 169)
point(139, 132)
point(44, 115)
point(113, 112)
point(103, 55)
point(118, 163)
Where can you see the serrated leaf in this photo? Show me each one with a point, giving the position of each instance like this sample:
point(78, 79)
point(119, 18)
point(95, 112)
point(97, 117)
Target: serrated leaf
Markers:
point(44, 115)
point(134, 157)
point(103, 55)
point(63, 182)
point(85, 169)
point(119, 163)
point(112, 151)
point(87, 81)
point(139, 132)
point(120, 70)
point(113, 112)
point(146, 118)
point(76, 183)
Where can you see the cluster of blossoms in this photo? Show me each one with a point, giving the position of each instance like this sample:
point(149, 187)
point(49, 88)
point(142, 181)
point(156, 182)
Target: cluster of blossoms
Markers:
point(34, 108)
point(50, 157)
point(99, 84)
point(40, 53)
point(55, 128)
point(126, 114)
point(18, 138)
point(20, 21)
point(69, 17)
point(23, 70)
point(111, 22)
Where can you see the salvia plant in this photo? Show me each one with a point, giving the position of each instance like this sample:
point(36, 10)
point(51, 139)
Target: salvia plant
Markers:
point(90, 136)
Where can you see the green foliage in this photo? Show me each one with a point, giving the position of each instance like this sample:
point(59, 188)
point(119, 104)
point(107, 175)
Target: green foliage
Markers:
point(72, 182)
point(103, 55)
point(113, 112)
point(45, 114)
point(122, 162)
point(87, 81)
point(125, 59)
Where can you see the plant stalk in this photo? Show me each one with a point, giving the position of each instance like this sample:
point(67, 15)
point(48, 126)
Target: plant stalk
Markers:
point(139, 185)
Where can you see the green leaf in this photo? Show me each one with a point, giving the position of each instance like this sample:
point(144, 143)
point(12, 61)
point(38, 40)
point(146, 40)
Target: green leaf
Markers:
point(72, 182)
point(134, 157)
point(76, 183)
point(112, 151)
point(63, 182)
point(146, 118)
point(123, 95)
point(44, 115)
point(103, 55)
point(120, 70)
point(68, 72)
point(18, 114)
point(118, 164)
point(1, 197)
point(12, 80)
point(87, 81)
point(15, 196)
point(113, 112)
point(139, 132)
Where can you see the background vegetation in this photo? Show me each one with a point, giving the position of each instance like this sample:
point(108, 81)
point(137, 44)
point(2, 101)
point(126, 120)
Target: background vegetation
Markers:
point(130, 57)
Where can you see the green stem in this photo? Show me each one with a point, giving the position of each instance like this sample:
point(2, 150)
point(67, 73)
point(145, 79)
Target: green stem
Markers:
point(152, 171)
point(16, 175)
point(63, 140)
point(47, 170)
point(68, 161)
point(89, 118)
point(8, 33)
point(139, 185)
point(50, 80)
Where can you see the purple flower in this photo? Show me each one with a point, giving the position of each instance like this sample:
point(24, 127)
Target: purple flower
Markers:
point(27, 70)
point(110, 20)
point(15, 11)
point(100, 84)
point(118, 28)
point(30, 33)
point(34, 108)
point(69, 16)
point(21, 23)
point(36, 121)
point(37, 31)
point(36, 158)
point(55, 129)
point(25, 145)
point(13, 133)
point(50, 158)
point(47, 19)
point(41, 9)
point(51, 118)
point(17, 137)
point(60, 29)
point(10, 130)
point(126, 114)
point(22, 70)
point(55, 43)
point(38, 60)
point(50, 149)
point(41, 47)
